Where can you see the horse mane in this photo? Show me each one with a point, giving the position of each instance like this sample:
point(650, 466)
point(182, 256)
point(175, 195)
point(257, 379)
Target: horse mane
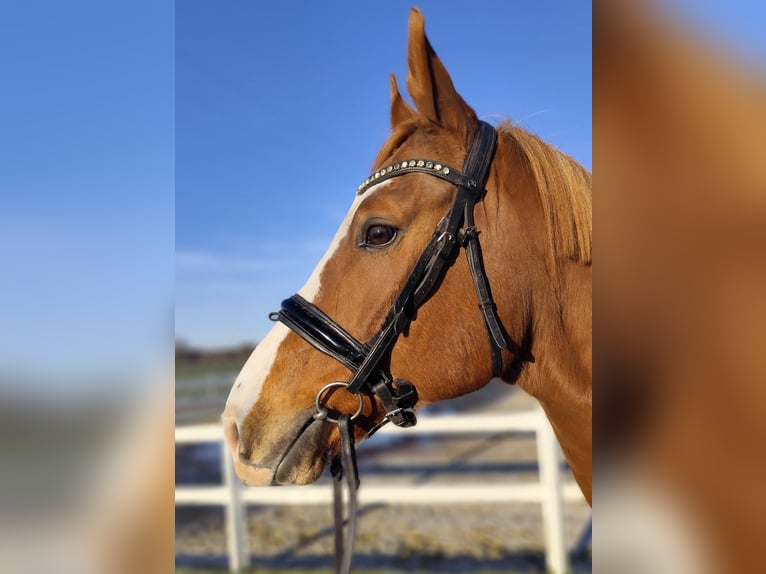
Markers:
point(564, 191)
point(563, 187)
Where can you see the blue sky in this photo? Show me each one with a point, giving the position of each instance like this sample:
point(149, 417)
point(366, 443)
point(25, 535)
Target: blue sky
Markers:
point(281, 107)
point(86, 181)
point(235, 132)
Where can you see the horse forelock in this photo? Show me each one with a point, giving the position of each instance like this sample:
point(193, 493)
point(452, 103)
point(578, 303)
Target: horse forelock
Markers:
point(440, 140)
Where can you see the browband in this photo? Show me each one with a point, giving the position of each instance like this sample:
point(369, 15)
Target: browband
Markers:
point(428, 166)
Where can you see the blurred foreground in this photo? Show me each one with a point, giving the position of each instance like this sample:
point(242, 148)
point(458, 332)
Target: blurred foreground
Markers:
point(680, 140)
point(86, 287)
point(87, 482)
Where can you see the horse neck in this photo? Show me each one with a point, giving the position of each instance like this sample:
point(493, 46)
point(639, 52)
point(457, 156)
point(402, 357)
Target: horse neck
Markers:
point(561, 338)
point(561, 377)
point(556, 306)
point(546, 297)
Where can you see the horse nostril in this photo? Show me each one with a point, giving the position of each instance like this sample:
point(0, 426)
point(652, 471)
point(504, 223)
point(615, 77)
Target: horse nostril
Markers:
point(231, 435)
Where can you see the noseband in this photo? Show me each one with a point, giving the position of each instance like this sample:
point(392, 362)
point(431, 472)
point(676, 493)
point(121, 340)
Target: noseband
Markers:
point(369, 362)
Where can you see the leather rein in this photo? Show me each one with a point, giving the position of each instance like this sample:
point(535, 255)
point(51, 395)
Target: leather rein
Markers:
point(369, 362)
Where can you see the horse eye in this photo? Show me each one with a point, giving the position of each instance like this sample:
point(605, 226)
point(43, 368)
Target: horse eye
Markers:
point(379, 235)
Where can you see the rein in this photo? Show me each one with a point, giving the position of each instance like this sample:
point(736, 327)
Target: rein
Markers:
point(369, 362)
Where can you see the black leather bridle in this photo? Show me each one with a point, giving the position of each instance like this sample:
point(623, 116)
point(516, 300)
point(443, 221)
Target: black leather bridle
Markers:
point(369, 362)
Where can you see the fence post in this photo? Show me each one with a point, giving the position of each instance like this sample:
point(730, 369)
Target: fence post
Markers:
point(234, 515)
point(548, 456)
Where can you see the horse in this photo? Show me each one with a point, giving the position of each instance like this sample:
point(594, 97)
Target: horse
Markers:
point(533, 217)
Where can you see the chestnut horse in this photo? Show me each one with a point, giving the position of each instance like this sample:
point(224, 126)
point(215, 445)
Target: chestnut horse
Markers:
point(535, 225)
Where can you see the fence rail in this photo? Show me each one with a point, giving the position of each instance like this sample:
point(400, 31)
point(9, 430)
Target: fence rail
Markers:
point(550, 491)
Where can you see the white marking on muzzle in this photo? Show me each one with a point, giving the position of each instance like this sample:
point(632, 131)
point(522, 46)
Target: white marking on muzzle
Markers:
point(311, 289)
point(249, 384)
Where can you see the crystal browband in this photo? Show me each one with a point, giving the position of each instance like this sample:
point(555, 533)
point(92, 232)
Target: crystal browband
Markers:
point(412, 165)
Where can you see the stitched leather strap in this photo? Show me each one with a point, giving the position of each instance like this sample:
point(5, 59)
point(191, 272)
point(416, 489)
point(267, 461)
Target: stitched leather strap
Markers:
point(480, 156)
point(476, 167)
point(345, 465)
point(321, 331)
point(497, 339)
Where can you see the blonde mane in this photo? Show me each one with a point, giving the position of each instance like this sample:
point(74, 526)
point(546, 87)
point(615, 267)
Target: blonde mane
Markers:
point(564, 190)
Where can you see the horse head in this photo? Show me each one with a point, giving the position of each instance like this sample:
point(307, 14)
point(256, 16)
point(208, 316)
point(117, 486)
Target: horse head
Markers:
point(269, 417)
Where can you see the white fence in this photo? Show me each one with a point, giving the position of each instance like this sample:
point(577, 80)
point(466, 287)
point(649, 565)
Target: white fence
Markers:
point(550, 491)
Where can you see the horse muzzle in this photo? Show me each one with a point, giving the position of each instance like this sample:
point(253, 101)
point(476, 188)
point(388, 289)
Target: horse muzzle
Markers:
point(296, 457)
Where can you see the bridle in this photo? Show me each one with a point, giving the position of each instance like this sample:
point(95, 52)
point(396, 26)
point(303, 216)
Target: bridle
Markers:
point(369, 362)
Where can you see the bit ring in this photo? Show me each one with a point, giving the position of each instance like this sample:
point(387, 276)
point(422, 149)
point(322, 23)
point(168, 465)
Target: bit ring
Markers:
point(322, 414)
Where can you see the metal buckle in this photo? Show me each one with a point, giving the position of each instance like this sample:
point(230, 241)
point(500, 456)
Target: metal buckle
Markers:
point(402, 417)
point(445, 235)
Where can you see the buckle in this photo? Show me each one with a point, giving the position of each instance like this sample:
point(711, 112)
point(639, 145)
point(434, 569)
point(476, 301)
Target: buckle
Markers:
point(398, 399)
point(403, 417)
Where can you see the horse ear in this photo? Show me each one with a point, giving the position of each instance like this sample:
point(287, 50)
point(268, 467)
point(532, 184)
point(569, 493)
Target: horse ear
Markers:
point(429, 83)
point(400, 110)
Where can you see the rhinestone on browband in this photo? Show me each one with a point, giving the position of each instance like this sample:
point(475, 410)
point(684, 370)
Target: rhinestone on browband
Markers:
point(424, 165)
